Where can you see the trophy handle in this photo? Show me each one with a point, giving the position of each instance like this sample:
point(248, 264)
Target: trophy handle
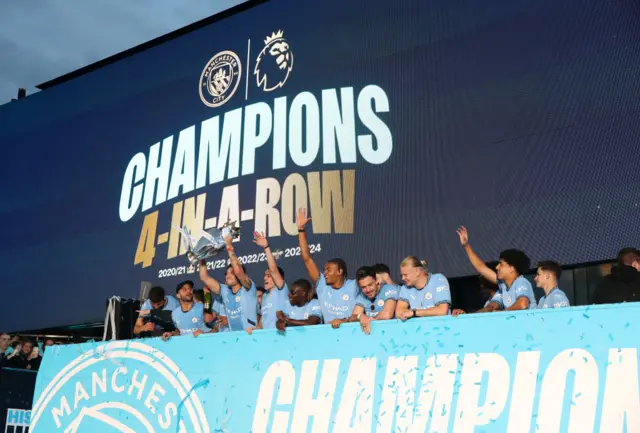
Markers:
point(186, 238)
point(193, 260)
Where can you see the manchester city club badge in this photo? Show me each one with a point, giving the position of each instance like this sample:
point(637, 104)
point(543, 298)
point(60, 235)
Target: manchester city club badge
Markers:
point(220, 78)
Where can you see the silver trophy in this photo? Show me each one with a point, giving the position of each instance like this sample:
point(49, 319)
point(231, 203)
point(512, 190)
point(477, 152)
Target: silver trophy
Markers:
point(210, 243)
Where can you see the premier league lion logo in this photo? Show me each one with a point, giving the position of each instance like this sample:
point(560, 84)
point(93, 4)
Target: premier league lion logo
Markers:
point(274, 63)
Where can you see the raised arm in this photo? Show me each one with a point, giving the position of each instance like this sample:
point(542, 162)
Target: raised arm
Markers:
point(305, 253)
point(208, 280)
point(476, 261)
point(261, 240)
point(235, 264)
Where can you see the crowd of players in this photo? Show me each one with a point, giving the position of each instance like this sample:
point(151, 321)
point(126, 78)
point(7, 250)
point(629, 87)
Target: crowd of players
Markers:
point(331, 297)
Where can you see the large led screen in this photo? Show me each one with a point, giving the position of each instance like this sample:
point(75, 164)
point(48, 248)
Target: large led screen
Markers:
point(392, 122)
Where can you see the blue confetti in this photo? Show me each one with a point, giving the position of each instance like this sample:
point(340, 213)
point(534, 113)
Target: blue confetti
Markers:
point(201, 384)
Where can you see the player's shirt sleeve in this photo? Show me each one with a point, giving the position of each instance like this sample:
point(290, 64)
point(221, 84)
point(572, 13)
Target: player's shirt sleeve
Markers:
point(362, 300)
point(321, 286)
point(559, 300)
point(389, 292)
point(523, 289)
point(404, 295)
point(498, 299)
point(313, 308)
point(442, 293)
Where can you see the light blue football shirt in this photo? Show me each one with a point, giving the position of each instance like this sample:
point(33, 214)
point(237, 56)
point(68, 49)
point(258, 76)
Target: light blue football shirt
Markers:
point(507, 296)
point(555, 299)
point(436, 292)
point(190, 321)
point(336, 303)
point(172, 304)
point(312, 308)
point(373, 307)
point(241, 308)
point(217, 307)
point(274, 300)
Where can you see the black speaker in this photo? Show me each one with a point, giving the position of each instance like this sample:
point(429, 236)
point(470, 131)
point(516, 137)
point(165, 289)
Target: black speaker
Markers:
point(121, 318)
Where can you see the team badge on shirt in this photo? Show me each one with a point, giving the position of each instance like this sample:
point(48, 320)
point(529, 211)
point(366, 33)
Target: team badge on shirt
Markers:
point(345, 297)
point(194, 320)
point(237, 298)
point(380, 303)
point(428, 295)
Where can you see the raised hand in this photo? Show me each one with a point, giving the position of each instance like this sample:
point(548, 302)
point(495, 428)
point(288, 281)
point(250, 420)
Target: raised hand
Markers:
point(260, 239)
point(301, 219)
point(464, 236)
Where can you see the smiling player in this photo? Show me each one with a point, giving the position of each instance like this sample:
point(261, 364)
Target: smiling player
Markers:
point(375, 302)
point(336, 293)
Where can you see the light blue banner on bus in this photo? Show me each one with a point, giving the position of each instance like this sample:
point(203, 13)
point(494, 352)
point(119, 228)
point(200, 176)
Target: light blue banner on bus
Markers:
point(564, 370)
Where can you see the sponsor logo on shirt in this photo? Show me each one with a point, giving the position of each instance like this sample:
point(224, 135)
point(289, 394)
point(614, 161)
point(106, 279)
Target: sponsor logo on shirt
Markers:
point(234, 313)
point(336, 308)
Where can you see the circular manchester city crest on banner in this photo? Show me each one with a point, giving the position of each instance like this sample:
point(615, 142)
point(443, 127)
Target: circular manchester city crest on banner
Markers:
point(122, 386)
point(220, 78)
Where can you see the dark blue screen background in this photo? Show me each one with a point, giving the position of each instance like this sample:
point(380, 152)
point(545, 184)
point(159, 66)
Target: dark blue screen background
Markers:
point(516, 118)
